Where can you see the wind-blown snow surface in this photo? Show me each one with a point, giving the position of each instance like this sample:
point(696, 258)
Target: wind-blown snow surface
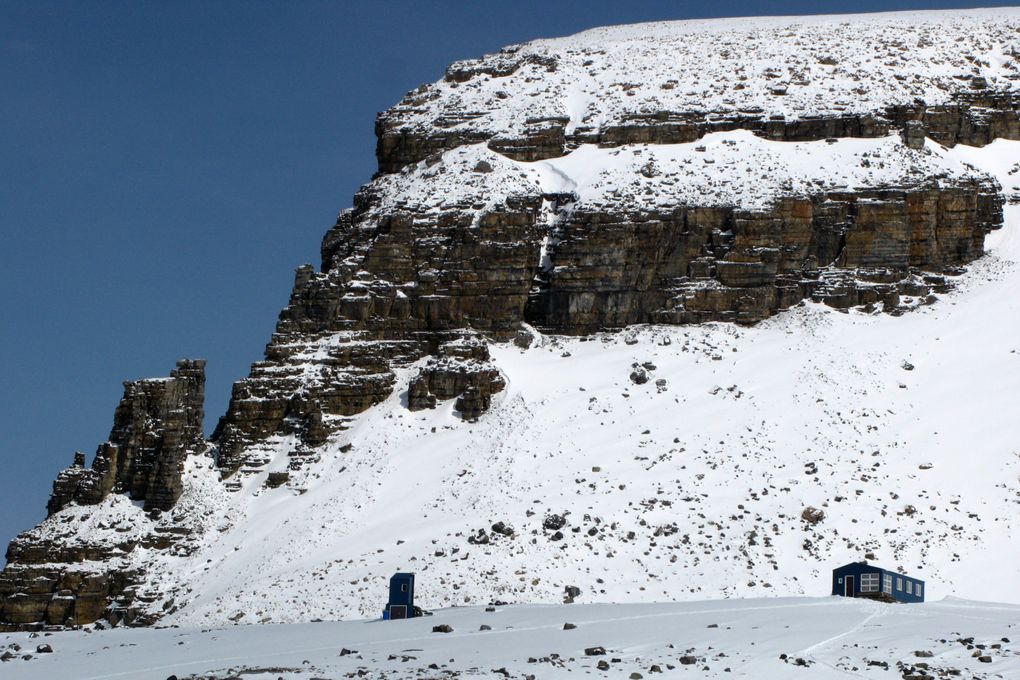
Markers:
point(774, 638)
point(902, 429)
point(735, 168)
point(797, 67)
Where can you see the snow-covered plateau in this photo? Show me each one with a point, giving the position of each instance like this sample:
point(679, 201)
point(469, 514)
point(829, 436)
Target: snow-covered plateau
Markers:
point(790, 67)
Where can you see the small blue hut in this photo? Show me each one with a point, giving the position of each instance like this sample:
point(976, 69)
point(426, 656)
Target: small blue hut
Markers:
point(401, 604)
point(860, 579)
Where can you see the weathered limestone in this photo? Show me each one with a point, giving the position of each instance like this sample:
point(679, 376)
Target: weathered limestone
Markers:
point(974, 118)
point(156, 425)
point(392, 291)
point(34, 598)
point(694, 264)
point(401, 285)
point(53, 582)
point(462, 369)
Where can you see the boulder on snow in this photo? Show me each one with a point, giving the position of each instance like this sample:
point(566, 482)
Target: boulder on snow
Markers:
point(481, 538)
point(276, 479)
point(812, 515)
point(502, 528)
point(554, 522)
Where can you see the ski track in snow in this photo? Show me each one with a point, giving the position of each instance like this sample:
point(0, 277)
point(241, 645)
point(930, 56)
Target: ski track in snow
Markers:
point(879, 610)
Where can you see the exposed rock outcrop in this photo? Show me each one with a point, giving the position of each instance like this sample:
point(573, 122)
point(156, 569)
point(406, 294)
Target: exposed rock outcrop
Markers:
point(393, 290)
point(157, 423)
point(461, 369)
point(51, 580)
point(465, 239)
point(694, 264)
point(32, 598)
point(443, 247)
point(972, 119)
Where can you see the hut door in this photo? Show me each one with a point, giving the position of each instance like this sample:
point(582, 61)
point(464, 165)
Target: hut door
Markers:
point(848, 582)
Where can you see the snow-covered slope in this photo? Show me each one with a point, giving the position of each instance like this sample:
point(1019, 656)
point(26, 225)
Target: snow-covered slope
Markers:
point(777, 638)
point(899, 428)
point(735, 168)
point(903, 430)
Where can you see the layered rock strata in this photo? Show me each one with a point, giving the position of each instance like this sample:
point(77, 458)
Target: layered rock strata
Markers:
point(974, 119)
point(461, 370)
point(38, 597)
point(786, 79)
point(54, 580)
point(393, 290)
point(695, 264)
point(156, 425)
point(729, 231)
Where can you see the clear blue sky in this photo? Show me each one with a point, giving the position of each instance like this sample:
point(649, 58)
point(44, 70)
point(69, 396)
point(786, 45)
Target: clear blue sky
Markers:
point(164, 167)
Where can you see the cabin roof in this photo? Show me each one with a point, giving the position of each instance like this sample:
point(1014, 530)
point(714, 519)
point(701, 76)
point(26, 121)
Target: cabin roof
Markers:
point(862, 563)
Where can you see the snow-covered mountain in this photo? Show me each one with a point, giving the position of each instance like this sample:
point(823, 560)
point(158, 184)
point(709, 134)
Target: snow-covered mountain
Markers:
point(711, 353)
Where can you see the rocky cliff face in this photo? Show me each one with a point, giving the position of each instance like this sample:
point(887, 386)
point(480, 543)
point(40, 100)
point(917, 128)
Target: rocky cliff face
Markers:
point(474, 242)
point(156, 426)
point(577, 185)
point(972, 118)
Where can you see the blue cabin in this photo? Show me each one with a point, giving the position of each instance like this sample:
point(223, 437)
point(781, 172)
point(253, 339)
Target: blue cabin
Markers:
point(401, 604)
point(860, 579)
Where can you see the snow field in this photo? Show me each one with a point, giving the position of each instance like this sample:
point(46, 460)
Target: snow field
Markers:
point(819, 637)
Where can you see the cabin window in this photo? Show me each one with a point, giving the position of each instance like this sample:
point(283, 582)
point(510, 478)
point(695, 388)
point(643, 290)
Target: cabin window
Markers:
point(869, 583)
point(910, 587)
point(917, 591)
point(899, 583)
point(887, 583)
point(403, 587)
